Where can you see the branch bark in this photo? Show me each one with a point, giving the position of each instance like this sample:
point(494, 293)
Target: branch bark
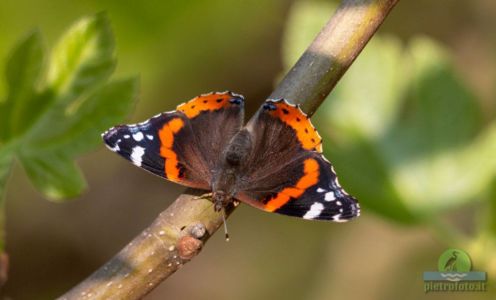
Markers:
point(179, 233)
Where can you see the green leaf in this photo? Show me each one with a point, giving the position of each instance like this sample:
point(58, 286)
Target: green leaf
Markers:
point(64, 115)
point(441, 113)
point(82, 124)
point(23, 73)
point(83, 58)
point(81, 62)
point(55, 175)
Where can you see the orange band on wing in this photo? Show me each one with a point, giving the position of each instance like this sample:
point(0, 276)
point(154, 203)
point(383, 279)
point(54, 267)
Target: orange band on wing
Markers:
point(166, 135)
point(310, 178)
point(209, 102)
point(296, 119)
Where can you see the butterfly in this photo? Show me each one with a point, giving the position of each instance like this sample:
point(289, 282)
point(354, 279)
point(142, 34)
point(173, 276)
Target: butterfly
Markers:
point(273, 163)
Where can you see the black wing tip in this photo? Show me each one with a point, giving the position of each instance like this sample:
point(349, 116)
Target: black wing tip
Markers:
point(350, 215)
point(110, 132)
point(112, 137)
point(105, 135)
point(348, 210)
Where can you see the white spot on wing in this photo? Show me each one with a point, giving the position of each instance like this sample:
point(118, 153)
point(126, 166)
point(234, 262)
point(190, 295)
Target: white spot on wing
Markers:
point(336, 218)
point(320, 190)
point(116, 148)
point(329, 196)
point(150, 137)
point(315, 211)
point(138, 136)
point(126, 136)
point(137, 155)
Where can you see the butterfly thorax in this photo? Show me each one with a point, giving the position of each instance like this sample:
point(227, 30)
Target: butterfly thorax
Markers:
point(230, 168)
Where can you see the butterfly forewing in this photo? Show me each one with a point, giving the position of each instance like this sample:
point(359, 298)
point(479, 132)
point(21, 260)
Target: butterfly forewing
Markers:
point(183, 146)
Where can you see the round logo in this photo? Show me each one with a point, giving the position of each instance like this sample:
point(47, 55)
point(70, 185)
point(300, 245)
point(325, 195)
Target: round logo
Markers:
point(454, 260)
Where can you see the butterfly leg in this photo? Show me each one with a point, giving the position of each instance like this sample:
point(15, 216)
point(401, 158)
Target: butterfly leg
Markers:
point(219, 199)
point(207, 196)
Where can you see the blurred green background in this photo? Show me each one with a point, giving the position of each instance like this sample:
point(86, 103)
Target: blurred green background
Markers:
point(410, 130)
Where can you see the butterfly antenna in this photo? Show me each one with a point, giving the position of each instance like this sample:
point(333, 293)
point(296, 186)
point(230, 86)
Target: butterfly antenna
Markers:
point(225, 225)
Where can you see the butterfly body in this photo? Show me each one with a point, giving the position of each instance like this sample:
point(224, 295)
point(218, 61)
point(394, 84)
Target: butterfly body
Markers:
point(230, 168)
point(273, 163)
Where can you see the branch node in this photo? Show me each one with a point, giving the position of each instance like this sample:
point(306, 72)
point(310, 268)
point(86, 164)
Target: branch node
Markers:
point(198, 230)
point(188, 247)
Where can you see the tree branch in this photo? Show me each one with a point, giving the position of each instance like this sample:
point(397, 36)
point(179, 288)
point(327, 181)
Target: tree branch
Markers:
point(179, 233)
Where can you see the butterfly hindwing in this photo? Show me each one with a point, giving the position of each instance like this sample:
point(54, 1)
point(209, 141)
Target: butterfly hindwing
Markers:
point(182, 146)
point(320, 197)
point(287, 173)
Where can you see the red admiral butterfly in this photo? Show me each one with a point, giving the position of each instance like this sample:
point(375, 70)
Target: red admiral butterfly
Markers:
point(274, 163)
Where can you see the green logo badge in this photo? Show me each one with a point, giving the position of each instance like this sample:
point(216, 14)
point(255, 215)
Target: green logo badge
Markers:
point(454, 260)
point(454, 274)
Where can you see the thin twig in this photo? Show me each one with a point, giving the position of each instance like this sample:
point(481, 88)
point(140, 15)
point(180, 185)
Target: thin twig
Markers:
point(179, 233)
